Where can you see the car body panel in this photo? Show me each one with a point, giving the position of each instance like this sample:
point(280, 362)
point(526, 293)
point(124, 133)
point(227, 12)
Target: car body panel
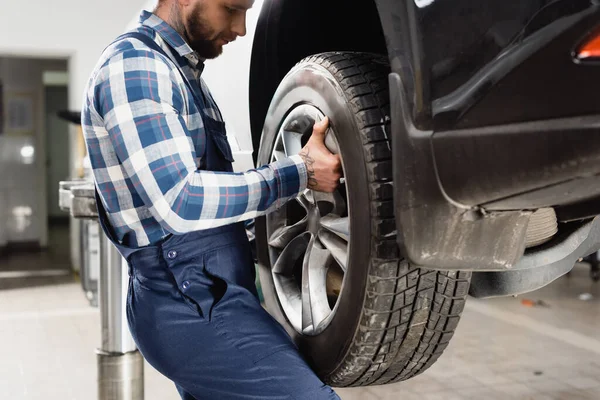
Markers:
point(453, 158)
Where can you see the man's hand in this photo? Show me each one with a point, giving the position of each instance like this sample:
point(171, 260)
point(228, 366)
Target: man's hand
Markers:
point(324, 168)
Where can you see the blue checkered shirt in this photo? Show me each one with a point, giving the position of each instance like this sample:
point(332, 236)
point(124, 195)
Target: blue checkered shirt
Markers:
point(145, 139)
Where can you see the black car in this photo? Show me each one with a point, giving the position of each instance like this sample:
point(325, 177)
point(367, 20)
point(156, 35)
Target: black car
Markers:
point(469, 132)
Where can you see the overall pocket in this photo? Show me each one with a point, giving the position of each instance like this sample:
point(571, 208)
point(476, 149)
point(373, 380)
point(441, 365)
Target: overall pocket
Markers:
point(199, 290)
point(204, 263)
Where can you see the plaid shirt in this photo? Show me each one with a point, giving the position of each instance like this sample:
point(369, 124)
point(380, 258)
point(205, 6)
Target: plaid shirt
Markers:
point(145, 139)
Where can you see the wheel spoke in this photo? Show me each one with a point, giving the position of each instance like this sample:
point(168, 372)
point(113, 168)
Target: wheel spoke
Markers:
point(284, 234)
point(278, 155)
point(306, 199)
point(315, 307)
point(290, 254)
point(278, 149)
point(337, 246)
point(284, 280)
point(307, 325)
point(292, 142)
point(338, 225)
point(335, 199)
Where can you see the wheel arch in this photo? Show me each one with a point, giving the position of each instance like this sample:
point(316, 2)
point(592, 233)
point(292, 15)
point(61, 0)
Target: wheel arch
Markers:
point(288, 31)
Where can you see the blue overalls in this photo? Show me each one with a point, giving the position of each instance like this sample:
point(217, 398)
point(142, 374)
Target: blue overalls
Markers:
point(194, 313)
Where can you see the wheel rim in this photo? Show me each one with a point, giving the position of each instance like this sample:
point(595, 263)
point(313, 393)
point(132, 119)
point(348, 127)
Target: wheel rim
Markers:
point(309, 238)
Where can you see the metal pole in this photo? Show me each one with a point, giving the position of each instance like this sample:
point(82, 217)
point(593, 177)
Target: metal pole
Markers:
point(120, 364)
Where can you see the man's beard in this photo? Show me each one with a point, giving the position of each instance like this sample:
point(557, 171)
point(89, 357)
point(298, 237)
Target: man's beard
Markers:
point(199, 35)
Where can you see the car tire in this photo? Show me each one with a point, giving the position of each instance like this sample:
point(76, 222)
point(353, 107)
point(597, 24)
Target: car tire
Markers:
point(390, 321)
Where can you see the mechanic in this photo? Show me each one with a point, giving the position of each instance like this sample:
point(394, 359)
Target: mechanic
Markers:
point(169, 200)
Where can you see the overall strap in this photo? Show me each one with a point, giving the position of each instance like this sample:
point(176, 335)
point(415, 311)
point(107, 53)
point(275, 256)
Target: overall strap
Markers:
point(215, 130)
point(124, 250)
point(149, 42)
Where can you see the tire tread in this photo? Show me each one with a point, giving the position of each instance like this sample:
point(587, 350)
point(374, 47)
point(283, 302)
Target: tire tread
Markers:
point(409, 314)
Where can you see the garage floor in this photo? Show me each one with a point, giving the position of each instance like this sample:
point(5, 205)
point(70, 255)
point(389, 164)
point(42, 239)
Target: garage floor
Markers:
point(503, 349)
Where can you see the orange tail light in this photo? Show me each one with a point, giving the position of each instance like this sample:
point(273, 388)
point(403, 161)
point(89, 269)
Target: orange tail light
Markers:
point(590, 49)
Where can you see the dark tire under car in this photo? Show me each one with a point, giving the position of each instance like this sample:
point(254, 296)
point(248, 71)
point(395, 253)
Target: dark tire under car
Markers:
point(371, 318)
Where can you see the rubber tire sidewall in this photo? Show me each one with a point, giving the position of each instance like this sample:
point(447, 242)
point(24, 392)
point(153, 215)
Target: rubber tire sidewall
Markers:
point(310, 83)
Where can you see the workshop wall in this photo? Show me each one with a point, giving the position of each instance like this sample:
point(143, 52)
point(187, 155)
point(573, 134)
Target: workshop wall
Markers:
point(72, 29)
point(23, 205)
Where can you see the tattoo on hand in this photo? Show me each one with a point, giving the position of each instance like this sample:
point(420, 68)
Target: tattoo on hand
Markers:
point(309, 161)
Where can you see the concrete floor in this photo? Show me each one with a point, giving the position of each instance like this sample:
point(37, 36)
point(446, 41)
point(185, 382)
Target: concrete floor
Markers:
point(502, 349)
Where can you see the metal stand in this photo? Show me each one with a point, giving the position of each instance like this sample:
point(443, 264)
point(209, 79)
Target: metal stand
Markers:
point(120, 376)
point(120, 364)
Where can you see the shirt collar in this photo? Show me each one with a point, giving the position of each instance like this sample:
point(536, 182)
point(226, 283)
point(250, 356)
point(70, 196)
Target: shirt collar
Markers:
point(171, 37)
